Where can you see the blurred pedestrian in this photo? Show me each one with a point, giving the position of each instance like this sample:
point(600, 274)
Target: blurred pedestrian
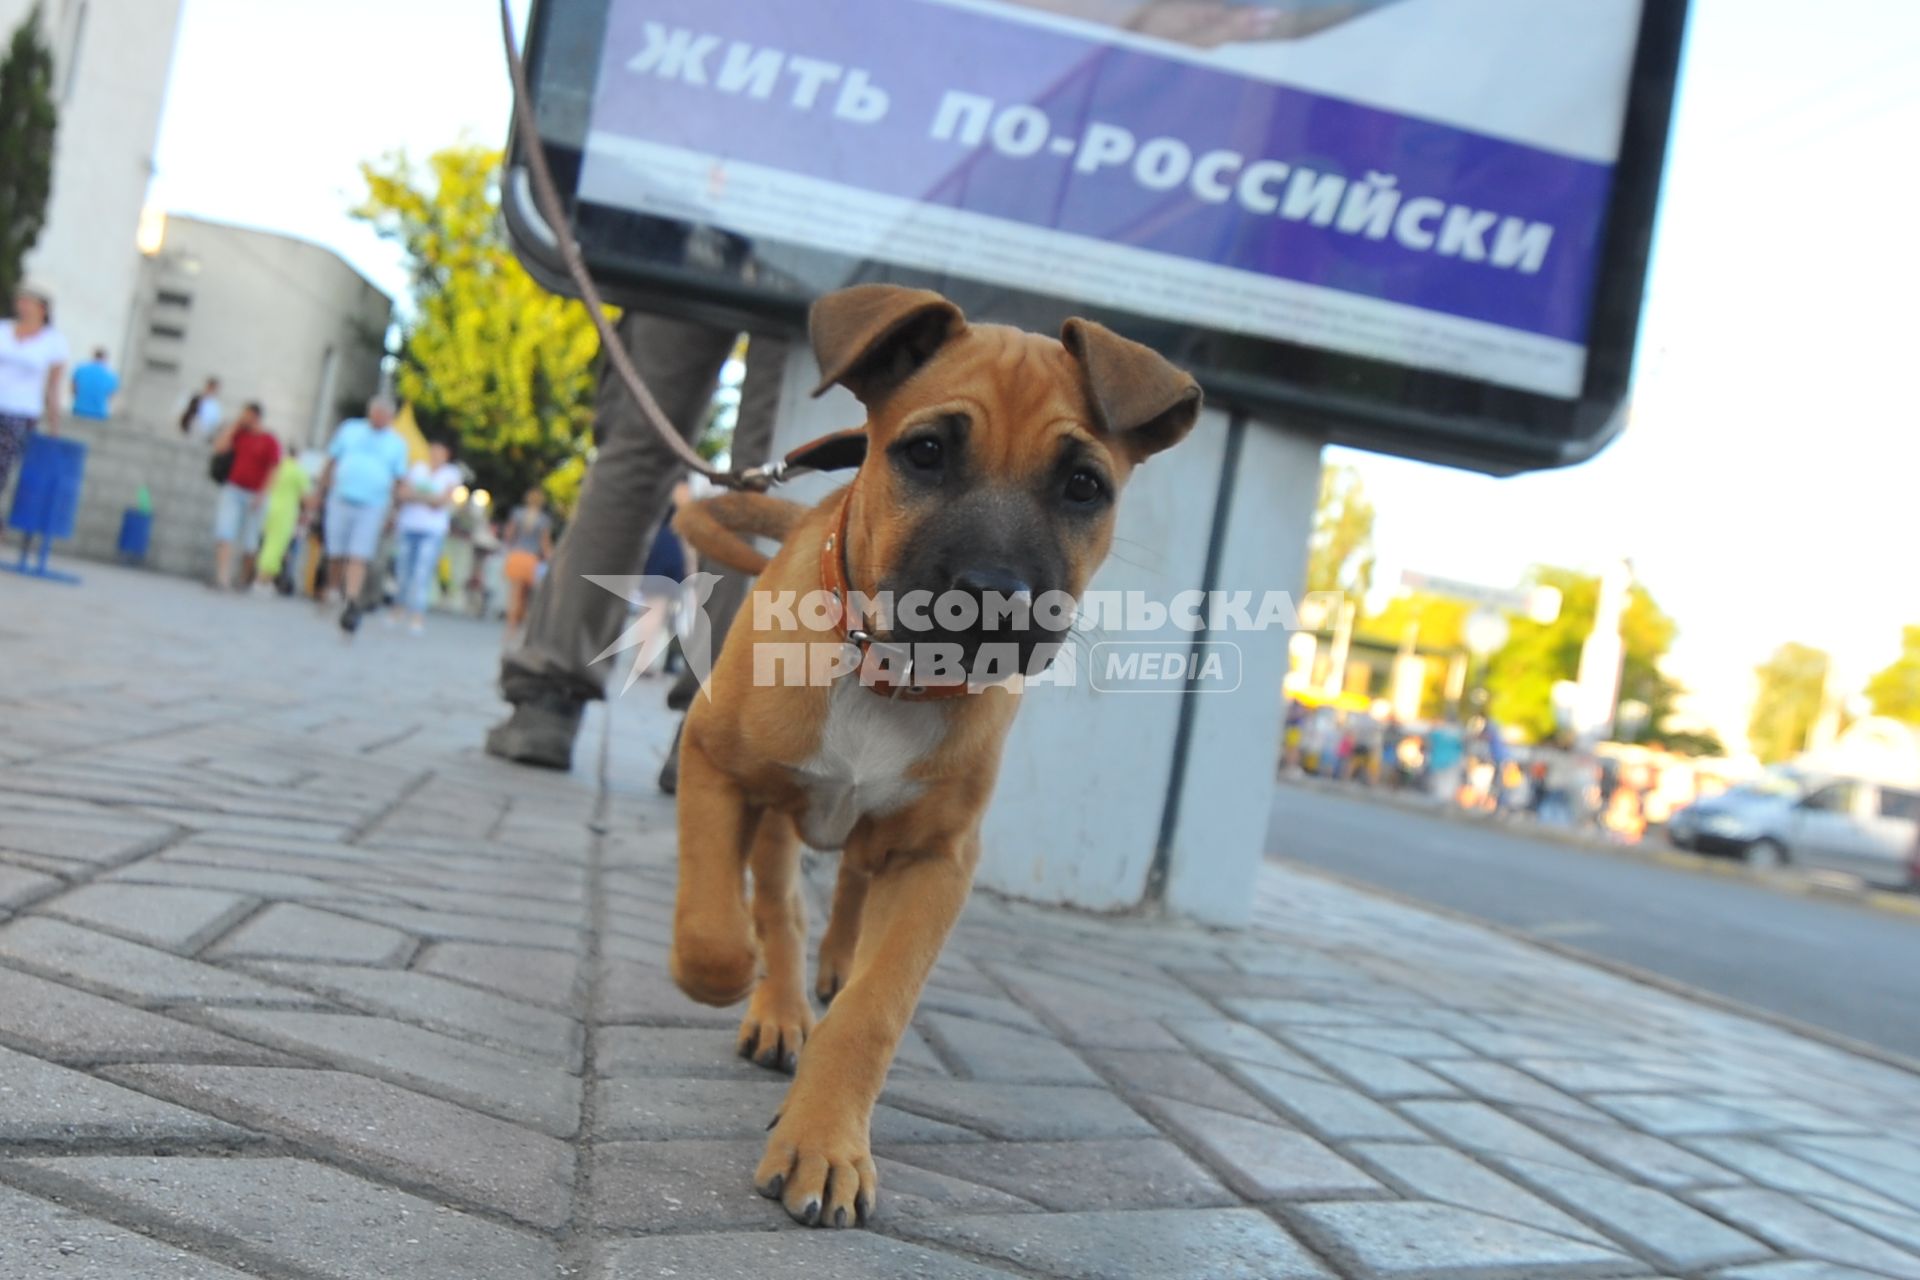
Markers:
point(426, 514)
point(1291, 737)
point(33, 356)
point(240, 515)
point(94, 385)
point(550, 675)
point(1562, 783)
point(365, 463)
point(202, 415)
point(667, 566)
point(1499, 755)
point(1446, 759)
point(287, 495)
point(528, 538)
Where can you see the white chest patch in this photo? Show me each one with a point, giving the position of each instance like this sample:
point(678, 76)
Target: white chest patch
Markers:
point(861, 765)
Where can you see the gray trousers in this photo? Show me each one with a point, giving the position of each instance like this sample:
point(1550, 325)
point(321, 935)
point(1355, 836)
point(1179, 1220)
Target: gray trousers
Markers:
point(625, 496)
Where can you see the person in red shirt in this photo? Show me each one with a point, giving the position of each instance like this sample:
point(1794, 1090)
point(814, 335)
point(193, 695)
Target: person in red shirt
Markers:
point(250, 454)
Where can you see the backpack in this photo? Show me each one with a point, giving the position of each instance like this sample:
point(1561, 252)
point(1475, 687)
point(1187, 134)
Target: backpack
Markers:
point(220, 466)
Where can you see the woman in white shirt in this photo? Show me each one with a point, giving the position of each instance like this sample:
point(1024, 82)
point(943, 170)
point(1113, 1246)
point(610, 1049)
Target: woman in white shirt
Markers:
point(426, 512)
point(33, 363)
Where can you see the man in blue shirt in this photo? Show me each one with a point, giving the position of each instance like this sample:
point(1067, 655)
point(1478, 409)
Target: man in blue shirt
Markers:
point(93, 386)
point(365, 462)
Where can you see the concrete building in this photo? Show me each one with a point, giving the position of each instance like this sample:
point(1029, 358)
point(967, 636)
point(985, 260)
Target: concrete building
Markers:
point(111, 62)
point(276, 319)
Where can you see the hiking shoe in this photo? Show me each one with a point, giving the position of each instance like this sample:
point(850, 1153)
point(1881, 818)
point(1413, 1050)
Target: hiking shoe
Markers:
point(538, 733)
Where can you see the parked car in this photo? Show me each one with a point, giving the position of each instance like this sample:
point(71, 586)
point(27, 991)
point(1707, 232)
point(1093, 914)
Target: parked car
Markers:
point(1865, 829)
point(1731, 823)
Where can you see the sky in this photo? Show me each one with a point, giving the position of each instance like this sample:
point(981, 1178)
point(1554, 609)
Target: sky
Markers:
point(1766, 487)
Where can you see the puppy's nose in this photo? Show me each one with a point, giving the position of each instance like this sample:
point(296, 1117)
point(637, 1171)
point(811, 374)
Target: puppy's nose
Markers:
point(982, 580)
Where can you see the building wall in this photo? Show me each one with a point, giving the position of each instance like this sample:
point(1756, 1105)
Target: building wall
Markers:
point(111, 61)
point(276, 319)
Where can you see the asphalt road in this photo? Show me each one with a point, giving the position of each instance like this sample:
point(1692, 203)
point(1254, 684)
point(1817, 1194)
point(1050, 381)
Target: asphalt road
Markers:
point(1849, 969)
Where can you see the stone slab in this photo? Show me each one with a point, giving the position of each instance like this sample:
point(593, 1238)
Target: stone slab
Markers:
point(1021, 1113)
point(48, 1241)
point(290, 931)
point(305, 1218)
point(844, 1255)
point(500, 1084)
point(160, 915)
point(151, 976)
point(67, 1025)
point(44, 1103)
point(1111, 1173)
point(1150, 1244)
point(532, 974)
point(990, 1051)
point(442, 1004)
point(1264, 1161)
point(420, 1140)
point(1420, 1240)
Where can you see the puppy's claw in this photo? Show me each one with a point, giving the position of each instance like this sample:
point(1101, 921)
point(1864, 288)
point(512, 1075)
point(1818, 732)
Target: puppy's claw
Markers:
point(862, 1208)
point(773, 1186)
point(840, 1217)
point(773, 1122)
point(810, 1213)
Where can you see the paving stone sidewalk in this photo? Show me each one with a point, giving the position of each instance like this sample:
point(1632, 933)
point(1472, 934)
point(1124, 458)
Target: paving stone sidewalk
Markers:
point(294, 983)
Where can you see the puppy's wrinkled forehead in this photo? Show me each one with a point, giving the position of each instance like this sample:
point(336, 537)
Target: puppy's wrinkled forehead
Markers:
point(908, 351)
point(1025, 386)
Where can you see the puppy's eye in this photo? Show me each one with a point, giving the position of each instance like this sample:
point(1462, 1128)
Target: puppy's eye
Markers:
point(1084, 487)
point(926, 453)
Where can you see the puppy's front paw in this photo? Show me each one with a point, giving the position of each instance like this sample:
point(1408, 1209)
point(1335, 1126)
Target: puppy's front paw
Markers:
point(819, 1168)
point(776, 1025)
point(714, 966)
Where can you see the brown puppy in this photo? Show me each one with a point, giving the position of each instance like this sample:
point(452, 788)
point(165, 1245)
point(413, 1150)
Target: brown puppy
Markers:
point(993, 459)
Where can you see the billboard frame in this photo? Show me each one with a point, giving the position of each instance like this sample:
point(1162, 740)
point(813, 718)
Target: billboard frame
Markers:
point(1361, 402)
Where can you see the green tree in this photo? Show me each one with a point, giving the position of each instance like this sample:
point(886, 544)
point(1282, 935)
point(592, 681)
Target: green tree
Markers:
point(1340, 553)
point(490, 356)
point(1895, 690)
point(1521, 676)
point(27, 124)
point(1792, 688)
point(1693, 742)
point(1433, 623)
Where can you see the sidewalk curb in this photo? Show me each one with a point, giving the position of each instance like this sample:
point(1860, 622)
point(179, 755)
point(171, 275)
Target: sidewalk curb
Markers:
point(1660, 853)
point(1621, 968)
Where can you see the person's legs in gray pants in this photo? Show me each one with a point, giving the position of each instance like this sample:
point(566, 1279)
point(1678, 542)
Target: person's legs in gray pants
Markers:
point(551, 674)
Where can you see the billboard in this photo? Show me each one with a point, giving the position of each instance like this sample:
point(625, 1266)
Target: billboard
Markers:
point(1397, 219)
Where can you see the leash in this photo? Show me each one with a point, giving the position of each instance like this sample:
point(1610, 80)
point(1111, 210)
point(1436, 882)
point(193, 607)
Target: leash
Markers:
point(833, 452)
point(836, 451)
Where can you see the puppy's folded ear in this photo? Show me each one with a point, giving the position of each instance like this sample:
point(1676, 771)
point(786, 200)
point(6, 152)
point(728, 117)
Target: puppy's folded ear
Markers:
point(1135, 392)
point(873, 337)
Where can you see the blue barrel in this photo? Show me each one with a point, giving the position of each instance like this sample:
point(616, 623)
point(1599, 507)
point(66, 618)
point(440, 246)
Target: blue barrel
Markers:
point(48, 495)
point(136, 528)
